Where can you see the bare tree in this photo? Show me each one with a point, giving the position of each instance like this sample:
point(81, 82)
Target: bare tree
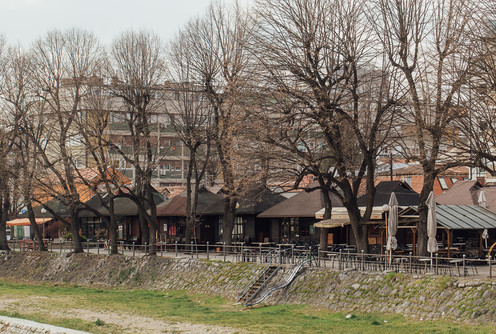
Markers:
point(478, 121)
point(17, 91)
point(64, 61)
point(219, 61)
point(138, 72)
point(332, 98)
point(93, 125)
point(429, 42)
point(191, 116)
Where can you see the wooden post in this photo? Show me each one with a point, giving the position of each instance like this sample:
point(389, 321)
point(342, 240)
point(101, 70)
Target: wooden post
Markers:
point(481, 244)
point(414, 243)
point(449, 243)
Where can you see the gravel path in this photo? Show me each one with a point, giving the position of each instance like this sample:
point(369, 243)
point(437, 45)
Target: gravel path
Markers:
point(125, 322)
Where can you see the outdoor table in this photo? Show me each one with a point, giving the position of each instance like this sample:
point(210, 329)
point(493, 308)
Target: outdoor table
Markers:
point(456, 262)
point(425, 261)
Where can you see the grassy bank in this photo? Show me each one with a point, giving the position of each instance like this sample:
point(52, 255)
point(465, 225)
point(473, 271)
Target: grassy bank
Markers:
point(50, 304)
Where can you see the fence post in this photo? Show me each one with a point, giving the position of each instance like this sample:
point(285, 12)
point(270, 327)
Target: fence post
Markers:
point(363, 260)
point(51, 246)
point(280, 255)
point(161, 249)
point(134, 248)
point(437, 272)
point(208, 254)
point(146, 249)
point(224, 250)
point(318, 255)
point(176, 248)
point(243, 252)
point(191, 249)
point(122, 250)
point(490, 267)
point(340, 266)
point(98, 247)
point(464, 265)
point(260, 251)
point(88, 246)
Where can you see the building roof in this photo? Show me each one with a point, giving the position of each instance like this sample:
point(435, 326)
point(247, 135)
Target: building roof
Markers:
point(58, 206)
point(176, 207)
point(124, 206)
point(403, 169)
point(251, 203)
point(465, 217)
point(404, 194)
point(461, 193)
point(303, 204)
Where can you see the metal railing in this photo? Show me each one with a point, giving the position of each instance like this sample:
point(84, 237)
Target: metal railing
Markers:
point(283, 254)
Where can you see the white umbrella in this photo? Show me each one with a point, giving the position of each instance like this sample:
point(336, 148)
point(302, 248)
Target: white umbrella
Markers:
point(485, 235)
point(482, 199)
point(392, 243)
point(431, 224)
point(482, 202)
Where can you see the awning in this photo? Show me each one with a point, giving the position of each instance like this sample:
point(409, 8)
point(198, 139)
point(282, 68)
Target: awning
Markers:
point(332, 223)
point(342, 213)
point(25, 221)
point(465, 217)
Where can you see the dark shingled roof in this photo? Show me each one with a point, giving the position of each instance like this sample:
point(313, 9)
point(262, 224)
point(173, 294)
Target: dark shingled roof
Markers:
point(252, 203)
point(124, 206)
point(404, 194)
point(176, 207)
point(304, 204)
point(55, 204)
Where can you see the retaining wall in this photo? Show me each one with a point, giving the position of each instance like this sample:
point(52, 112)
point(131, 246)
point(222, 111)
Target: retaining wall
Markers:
point(423, 297)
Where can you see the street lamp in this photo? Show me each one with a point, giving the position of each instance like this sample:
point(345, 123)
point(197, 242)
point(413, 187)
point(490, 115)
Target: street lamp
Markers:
point(43, 211)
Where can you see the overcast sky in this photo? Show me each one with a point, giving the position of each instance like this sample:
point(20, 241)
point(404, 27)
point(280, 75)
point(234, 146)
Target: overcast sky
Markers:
point(24, 21)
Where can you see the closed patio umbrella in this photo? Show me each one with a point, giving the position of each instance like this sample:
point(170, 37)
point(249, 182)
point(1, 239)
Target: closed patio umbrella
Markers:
point(392, 243)
point(482, 199)
point(431, 224)
point(482, 202)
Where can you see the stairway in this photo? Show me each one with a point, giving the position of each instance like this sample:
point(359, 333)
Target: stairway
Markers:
point(259, 284)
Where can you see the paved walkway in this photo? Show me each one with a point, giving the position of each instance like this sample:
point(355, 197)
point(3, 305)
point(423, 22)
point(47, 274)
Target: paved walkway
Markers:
point(21, 326)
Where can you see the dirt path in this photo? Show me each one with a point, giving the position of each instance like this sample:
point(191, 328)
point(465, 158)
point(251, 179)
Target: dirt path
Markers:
point(124, 322)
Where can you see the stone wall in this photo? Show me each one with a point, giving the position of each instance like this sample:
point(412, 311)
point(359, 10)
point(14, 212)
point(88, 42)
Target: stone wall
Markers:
point(423, 297)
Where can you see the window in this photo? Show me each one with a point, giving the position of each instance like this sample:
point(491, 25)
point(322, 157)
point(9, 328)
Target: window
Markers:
point(443, 183)
point(453, 180)
point(408, 180)
point(237, 234)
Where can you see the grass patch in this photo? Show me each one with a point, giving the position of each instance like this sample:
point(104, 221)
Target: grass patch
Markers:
point(182, 306)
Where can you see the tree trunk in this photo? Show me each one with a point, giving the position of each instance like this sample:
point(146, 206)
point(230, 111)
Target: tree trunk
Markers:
point(3, 223)
point(228, 219)
point(190, 217)
point(145, 234)
point(35, 228)
point(76, 239)
point(359, 230)
point(324, 232)
point(153, 237)
point(112, 228)
point(327, 215)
